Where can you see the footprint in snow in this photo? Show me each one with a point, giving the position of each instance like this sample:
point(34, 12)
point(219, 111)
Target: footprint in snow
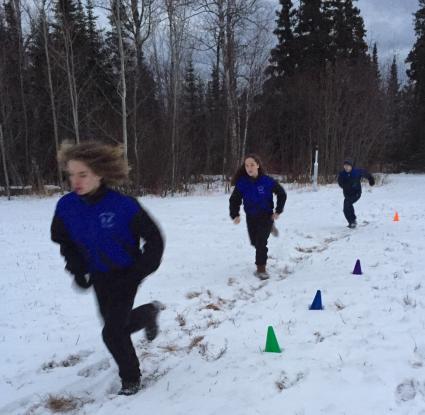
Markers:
point(287, 381)
point(419, 357)
point(69, 361)
point(406, 391)
point(94, 369)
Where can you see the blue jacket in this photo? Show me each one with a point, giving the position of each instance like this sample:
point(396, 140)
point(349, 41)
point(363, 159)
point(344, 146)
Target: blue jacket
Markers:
point(351, 182)
point(257, 196)
point(101, 234)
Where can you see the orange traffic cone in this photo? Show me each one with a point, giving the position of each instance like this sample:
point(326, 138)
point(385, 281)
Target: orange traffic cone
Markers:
point(396, 218)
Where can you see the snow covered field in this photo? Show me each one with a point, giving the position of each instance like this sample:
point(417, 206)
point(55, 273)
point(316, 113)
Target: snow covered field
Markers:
point(363, 354)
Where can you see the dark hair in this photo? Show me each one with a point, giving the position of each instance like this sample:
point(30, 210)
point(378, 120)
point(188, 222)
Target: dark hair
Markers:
point(349, 161)
point(104, 160)
point(241, 171)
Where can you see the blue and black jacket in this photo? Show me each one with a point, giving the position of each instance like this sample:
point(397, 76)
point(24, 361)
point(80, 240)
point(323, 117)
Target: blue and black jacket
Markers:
point(100, 235)
point(351, 182)
point(257, 196)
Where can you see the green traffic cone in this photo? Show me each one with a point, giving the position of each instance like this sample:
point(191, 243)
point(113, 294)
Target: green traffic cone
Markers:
point(272, 346)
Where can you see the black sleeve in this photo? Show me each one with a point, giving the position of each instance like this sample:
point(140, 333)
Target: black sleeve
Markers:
point(143, 227)
point(235, 202)
point(369, 177)
point(340, 181)
point(281, 197)
point(75, 262)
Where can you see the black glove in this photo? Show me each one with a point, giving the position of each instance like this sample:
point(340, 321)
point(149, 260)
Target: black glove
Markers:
point(83, 280)
point(372, 181)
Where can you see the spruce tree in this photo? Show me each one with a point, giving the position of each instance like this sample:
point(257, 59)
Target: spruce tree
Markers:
point(283, 55)
point(393, 98)
point(215, 108)
point(192, 120)
point(356, 24)
point(347, 30)
point(39, 102)
point(66, 19)
point(416, 57)
point(111, 40)
point(313, 36)
point(375, 63)
point(393, 84)
point(416, 73)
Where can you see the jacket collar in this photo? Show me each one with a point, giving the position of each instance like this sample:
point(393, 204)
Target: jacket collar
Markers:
point(92, 198)
point(254, 179)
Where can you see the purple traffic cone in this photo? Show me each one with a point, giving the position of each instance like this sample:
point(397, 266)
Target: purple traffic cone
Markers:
point(357, 268)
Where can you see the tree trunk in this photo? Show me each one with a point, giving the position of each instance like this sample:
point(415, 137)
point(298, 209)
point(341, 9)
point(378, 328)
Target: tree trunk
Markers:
point(17, 10)
point(141, 26)
point(229, 69)
point(245, 130)
point(176, 24)
point(3, 156)
point(122, 90)
point(70, 73)
point(52, 97)
point(135, 130)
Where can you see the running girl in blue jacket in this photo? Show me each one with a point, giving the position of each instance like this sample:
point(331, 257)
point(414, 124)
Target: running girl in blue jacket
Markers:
point(99, 232)
point(255, 189)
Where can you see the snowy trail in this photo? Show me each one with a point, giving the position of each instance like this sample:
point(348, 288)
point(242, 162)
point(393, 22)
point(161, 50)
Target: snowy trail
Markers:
point(364, 353)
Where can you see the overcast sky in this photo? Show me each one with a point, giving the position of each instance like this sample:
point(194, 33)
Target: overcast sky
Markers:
point(391, 24)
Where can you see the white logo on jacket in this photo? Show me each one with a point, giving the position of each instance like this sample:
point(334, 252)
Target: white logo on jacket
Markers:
point(107, 220)
point(260, 189)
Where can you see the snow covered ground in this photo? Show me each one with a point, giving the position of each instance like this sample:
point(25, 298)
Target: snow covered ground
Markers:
point(363, 354)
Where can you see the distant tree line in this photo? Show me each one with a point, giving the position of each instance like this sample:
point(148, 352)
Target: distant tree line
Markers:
point(189, 86)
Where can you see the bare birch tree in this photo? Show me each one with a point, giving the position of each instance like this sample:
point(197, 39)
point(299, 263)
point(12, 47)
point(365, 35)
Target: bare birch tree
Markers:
point(122, 86)
point(178, 16)
point(43, 16)
point(254, 57)
point(67, 62)
point(231, 17)
point(141, 21)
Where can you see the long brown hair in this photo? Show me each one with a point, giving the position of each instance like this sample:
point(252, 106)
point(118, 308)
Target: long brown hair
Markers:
point(241, 171)
point(104, 160)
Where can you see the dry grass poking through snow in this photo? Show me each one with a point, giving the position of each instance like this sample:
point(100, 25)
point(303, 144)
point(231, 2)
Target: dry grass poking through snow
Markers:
point(58, 404)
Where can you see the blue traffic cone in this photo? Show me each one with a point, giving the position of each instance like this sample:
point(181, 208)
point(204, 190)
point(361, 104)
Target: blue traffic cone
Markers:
point(317, 302)
point(357, 268)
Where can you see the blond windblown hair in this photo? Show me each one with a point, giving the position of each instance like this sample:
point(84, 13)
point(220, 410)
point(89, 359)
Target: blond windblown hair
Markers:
point(104, 160)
